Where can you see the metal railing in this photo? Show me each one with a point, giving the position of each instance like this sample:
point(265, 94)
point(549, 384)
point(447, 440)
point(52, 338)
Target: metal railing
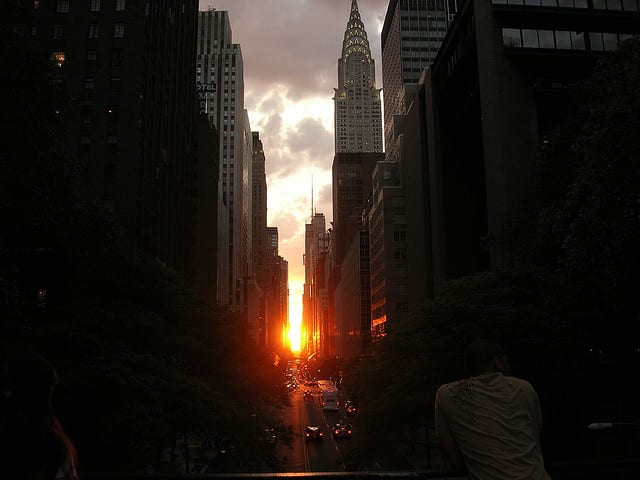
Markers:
point(557, 471)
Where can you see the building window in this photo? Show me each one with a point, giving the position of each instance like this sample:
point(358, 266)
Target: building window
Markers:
point(57, 84)
point(545, 37)
point(62, 6)
point(58, 59)
point(112, 112)
point(58, 31)
point(563, 40)
point(116, 57)
point(529, 38)
point(89, 83)
point(94, 6)
point(112, 144)
point(86, 114)
point(118, 30)
point(110, 170)
point(93, 30)
point(595, 39)
point(42, 297)
point(577, 41)
point(85, 143)
point(109, 203)
point(115, 84)
point(92, 56)
point(120, 5)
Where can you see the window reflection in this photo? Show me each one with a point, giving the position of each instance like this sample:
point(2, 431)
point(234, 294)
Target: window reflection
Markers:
point(545, 38)
point(529, 38)
point(58, 59)
point(619, 5)
point(561, 40)
point(577, 41)
point(511, 37)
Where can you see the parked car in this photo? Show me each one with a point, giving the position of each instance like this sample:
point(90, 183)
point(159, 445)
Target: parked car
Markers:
point(341, 430)
point(313, 433)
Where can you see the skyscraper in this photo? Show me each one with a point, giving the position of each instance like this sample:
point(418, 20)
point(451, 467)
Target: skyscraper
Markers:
point(358, 148)
point(352, 174)
point(316, 244)
point(220, 74)
point(132, 134)
point(411, 37)
point(259, 200)
point(358, 131)
point(358, 114)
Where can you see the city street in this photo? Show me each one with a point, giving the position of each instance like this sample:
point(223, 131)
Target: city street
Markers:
point(311, 456)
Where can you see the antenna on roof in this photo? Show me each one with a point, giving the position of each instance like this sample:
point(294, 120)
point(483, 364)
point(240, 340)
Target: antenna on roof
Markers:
point(312, 212)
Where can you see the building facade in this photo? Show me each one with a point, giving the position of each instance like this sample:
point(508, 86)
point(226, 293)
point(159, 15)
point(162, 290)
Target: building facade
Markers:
point(132, 122)
point(411, 36)
point(504, 76)
point(353, 306)
point(351, 181)
point(388, 243)
point(275, 287)
point(314, 301)
point(220, 71)
point(259, 202)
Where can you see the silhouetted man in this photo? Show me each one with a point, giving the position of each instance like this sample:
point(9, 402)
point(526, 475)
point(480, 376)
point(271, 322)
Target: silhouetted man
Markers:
point(489, 424)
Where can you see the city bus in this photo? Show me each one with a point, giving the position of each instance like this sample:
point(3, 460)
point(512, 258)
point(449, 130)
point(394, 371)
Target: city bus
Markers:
point(329, 398)
point(322, 384)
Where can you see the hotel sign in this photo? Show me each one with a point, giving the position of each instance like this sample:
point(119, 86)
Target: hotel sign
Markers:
point(203, 90)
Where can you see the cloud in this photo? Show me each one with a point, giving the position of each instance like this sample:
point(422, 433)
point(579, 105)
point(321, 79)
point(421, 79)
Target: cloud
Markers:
point(296, 42)
point(310, 138)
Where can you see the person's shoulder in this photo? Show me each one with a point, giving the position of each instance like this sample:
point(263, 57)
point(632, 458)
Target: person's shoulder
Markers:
point(446, 388)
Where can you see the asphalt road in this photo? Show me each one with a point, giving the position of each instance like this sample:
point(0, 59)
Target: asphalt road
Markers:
point(312, 456)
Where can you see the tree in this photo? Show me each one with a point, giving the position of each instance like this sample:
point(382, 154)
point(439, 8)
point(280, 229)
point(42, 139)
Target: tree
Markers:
point(591, 222)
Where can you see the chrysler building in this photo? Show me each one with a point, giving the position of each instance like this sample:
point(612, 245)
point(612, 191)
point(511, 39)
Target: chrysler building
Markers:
point(358, 113)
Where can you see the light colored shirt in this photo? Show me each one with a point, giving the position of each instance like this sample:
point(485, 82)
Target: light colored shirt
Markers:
point(495, 420)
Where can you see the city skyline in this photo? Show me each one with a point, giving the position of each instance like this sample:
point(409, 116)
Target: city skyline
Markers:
point(292, 107)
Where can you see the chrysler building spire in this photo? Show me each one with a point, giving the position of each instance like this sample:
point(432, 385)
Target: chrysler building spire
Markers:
point(358, 113)
point(355, 37)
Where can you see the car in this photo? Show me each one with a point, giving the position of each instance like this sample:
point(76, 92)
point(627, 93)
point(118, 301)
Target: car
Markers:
point(350, 408)
point(313, 433)
point(307, 395)
point(341, 430)
point(311, 383)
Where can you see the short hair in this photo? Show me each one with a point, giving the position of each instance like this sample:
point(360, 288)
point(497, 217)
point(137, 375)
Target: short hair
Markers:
point(480, 353)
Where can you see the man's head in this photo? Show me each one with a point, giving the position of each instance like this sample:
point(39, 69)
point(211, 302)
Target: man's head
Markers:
point(485, 356)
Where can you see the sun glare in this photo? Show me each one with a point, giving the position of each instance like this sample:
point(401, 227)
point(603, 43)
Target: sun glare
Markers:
point(294, 336)
point(295, 316)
